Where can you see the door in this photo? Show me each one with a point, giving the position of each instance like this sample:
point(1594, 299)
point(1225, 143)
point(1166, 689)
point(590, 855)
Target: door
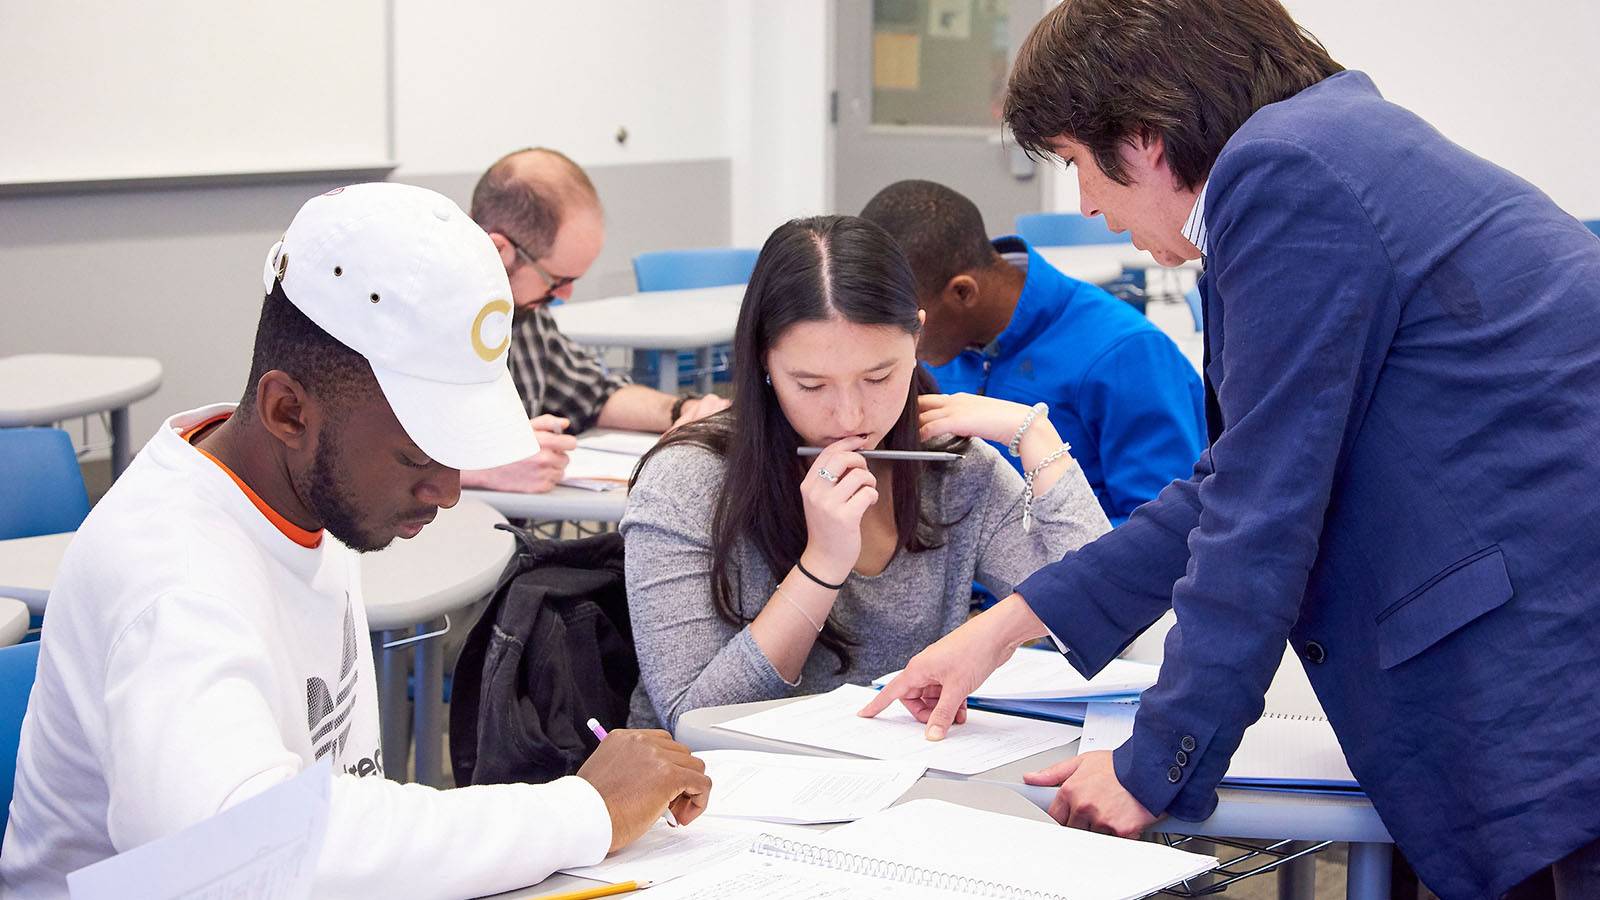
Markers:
point(920, 84)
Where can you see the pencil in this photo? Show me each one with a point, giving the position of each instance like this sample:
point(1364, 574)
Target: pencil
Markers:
point(603, 891)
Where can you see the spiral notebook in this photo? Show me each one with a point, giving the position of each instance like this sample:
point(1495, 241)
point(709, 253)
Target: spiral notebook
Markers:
point(1284, 749)
point(934, 849)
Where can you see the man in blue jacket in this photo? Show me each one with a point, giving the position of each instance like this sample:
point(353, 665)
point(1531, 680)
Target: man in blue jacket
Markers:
point(1002, 321)
point(1403, 399)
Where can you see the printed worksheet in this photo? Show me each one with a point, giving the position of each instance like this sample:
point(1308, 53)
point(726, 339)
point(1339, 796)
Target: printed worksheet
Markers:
point(803, 790)
point(829, 721)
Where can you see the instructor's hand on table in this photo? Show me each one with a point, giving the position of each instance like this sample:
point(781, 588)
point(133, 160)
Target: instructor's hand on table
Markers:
point(935, 684)
point(834, 506)
point(638, 774)
point(1091, 797)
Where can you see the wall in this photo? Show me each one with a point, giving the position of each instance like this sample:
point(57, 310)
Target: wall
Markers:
point(1512, 83)
point(779, 74)
point(175, 272)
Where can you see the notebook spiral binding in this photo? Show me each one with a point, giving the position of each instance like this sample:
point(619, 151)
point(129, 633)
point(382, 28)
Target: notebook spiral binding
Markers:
point(859, 864)
point(1294, 717)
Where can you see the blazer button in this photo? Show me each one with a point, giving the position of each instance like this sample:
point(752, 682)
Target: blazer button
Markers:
point(1314, 653)
point(1187, 743)
point(1173, 774)
point(1182, 758)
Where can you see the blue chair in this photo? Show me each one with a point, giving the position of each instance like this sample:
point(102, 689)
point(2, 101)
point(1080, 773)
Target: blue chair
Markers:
point(1066, 230)
point(17, 667)
point(41, 486)
point(1594, 226)
point(674, 270)
point(1193, 299)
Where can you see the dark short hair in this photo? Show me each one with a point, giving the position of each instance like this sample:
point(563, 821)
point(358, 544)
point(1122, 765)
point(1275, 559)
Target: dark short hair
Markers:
point(287, 340)
point(940, 231)
point(529, 207)
point(1102, 72)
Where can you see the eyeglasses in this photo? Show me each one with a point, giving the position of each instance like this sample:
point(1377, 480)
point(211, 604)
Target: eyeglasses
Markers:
point(552, 282)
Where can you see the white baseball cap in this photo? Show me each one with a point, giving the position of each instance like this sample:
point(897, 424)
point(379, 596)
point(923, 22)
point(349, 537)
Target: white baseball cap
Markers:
point(403, 277)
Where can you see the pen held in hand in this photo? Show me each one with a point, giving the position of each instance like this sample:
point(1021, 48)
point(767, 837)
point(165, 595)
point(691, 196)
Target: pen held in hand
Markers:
point(600, 735)
point(903, 455)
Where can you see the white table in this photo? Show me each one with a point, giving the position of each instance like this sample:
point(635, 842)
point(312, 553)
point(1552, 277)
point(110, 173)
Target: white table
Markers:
point(563, 504)
point(694, 319)
point(410, 589)
point(1239, 813)
point(45, 388)
point(1100, 263)
point(977, 796)
point(28, 567)
point(13, 621)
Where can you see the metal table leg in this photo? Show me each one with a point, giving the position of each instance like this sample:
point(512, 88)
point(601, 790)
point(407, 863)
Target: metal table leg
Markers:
point(703, 374)
point(429, 705)
point(121, 443)
point(1368, 878)
point(392, 709)
point(667, 372)
point(1297, 879)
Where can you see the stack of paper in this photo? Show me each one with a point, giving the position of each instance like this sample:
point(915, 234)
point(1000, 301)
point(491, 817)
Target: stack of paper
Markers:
point(665, 853)
point(1043, 685)
point(829, 721)
point(605, 462)
point(802, 790)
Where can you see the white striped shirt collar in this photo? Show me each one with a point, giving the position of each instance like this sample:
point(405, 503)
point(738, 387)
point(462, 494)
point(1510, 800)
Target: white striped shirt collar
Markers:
point(1195, 228)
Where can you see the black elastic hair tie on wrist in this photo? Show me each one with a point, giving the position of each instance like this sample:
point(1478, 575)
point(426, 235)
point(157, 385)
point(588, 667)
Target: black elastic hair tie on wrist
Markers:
point(831, 587)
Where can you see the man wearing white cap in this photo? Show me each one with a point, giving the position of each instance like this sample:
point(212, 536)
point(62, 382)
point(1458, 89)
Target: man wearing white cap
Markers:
point(206, 634)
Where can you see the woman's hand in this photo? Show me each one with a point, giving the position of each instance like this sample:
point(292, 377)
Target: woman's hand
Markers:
point(834, 506)
point(969, 415)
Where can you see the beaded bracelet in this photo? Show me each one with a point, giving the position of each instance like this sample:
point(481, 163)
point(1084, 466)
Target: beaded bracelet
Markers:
point(1027, 481)
point(1034, 412)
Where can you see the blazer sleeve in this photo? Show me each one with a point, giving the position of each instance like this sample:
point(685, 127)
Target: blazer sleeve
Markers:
point(1305, 286)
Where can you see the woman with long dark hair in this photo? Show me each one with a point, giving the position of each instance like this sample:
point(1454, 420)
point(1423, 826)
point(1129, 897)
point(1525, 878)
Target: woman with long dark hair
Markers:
point(754, 573)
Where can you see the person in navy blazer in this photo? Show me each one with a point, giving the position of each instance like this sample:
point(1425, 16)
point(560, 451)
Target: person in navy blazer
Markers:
point(1403, 398)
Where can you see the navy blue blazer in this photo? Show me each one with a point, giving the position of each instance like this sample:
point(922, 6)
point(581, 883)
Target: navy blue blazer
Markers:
point(1404, 346)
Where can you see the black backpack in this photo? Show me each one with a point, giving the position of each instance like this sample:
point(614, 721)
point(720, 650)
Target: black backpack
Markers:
point(553, 649)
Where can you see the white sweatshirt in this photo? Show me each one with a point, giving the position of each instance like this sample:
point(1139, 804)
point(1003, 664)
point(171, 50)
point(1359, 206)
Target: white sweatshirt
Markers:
point(195, 654)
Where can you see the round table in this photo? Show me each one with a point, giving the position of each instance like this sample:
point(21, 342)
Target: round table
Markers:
point(28, 567)
point(13, 621)
point(410, 589)
point(562, 504)
point(45, 388)
point(692, 319)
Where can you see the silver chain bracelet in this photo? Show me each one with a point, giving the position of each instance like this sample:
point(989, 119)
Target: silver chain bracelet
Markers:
point(1027, 482)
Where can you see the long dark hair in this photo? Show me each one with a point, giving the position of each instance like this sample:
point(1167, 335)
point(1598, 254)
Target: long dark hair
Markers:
point(809, 270)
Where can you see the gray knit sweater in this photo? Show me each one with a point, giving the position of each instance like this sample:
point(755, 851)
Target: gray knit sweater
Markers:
point(689, 657)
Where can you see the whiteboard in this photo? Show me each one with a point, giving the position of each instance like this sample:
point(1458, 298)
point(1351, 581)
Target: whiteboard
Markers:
point(95, 90)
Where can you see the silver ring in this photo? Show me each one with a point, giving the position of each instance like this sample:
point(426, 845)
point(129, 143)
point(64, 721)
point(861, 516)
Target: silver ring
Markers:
point(825, 475)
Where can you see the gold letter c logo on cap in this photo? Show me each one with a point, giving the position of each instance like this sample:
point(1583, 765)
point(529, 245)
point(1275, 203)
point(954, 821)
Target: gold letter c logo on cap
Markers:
point(484, 351)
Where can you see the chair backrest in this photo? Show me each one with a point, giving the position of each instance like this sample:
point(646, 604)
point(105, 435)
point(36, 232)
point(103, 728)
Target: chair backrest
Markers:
point(673, 270)
point(1066, 230)
point(1594, 226)
point(41, 486)
point(17, 667)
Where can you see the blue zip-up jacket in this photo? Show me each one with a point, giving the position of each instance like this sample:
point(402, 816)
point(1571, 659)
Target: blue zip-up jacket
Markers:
point(1119, 390)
